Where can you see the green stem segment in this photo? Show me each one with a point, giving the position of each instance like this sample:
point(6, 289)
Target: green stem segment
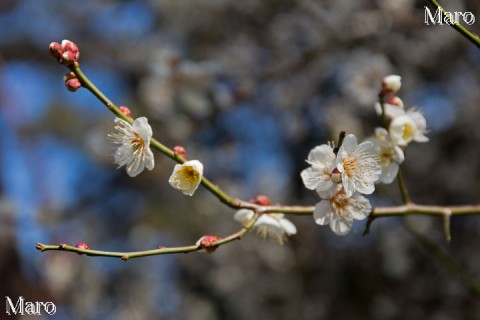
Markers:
point(473, 38)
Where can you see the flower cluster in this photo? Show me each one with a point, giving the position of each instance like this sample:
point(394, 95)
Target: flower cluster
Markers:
point(404, 126)
point(339, 180)
point(66, 52)
point(341, 176)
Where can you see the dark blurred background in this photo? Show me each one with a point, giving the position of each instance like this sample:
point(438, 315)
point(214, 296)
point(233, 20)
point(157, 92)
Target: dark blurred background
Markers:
point(248, 87)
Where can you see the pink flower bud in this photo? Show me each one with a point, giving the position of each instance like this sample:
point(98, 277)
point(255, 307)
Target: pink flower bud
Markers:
point(56, 50)
point(71, 82)
point(207, 243)
point(70, 53)
point(126, 111)
point(179, 150)
point(82, 245)
point(390, 85)
point(73, 85)
point(261, 200)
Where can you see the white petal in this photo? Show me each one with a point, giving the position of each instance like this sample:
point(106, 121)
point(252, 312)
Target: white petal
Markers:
point(243, 216)
point(399, 155)
point(329, 193)
point(141, 126)
point(389, 173)
point(288, 226)
point(323, 212)
point(360, 207)
point(349, 143)
point(149, 159)
point(323, 154)
point(341, 226)
point(311, 178)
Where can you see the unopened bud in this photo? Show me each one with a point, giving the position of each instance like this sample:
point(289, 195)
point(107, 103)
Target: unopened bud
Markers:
point(126, 111)
point(82, 245)
point(390, 85)
point(71, 82)
point(395, 101)
point(56, 50)
point(336, 176)
point(261, 200)
point(70, 53)
point(179, 150)
point(207, 243)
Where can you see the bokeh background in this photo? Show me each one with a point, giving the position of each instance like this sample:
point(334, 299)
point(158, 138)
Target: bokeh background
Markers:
point(248, 87)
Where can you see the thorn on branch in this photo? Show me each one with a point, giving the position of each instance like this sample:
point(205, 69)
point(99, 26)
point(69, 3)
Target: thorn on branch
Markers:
point(367, 226)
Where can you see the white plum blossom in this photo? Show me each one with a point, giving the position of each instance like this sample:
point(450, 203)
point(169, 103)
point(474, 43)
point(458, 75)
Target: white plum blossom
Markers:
point(358, 166)
point(389, 155)
point(272, 225)
point(339, 210)
point(134, 145)
point(408, 127)
point(322, 162)
point(186, 177)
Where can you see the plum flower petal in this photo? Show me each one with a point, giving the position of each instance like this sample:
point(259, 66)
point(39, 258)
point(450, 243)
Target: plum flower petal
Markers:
point(390, 156)
point(134, 145)
point(186, 177)
point(271, 225)
point(338, 210)
point(358, 166)
point(318, 175)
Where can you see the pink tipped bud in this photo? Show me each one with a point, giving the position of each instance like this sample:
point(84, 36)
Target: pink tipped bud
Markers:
point(73, 85)
point(125, 111)
point(70, 53)
point(179, 150)
point(71, 82)
point(82, 245)
point(395, 101)
point(207, 243)
point(261, 200)
point(390, 85)
point(56, 50)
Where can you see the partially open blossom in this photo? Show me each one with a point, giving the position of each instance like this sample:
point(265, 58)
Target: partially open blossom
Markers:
point(358, 166)
point(411, 126)
point(180, 151)
point(272, 225)
point(70, 52)
point(391, 84)
point(71, 82)
point(339, 210)
point(318, 176)
point(186, 177)
point(126, 111)
point(389, 155)
point(134, 145)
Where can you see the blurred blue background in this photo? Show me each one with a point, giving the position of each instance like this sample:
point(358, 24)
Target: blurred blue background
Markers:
point(247, 87)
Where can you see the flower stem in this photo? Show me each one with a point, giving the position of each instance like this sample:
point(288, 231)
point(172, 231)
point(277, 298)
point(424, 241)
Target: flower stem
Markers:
point(145, 253)
point(473, 38)
point(403, 187)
